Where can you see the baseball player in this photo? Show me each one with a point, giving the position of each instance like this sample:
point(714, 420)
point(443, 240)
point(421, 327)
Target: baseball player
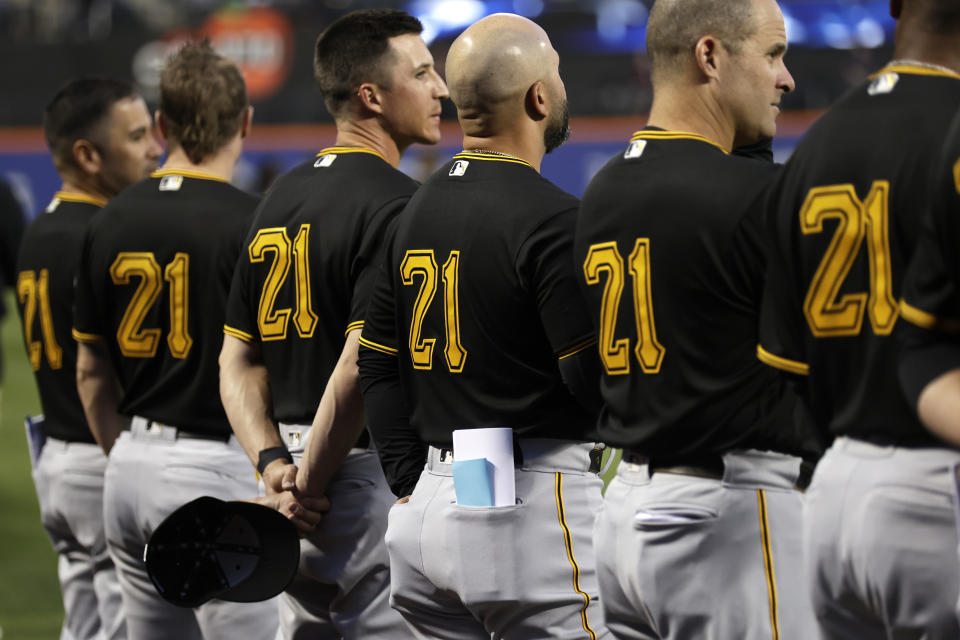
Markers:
point(475, 315)
point(151, 288)
point(699, 535)
point(291, 341)
point(100, 136)
point(930, 365)
point(879, 533)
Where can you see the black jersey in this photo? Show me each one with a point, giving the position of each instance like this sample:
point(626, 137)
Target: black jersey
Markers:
point(46, 269)
point(478, 299)
point(669, 248)
point(844, 220)
point(931, 287)
point(153, 282)
point(304, 277)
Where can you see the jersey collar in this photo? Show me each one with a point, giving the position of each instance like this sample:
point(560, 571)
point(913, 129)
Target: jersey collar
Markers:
point(187, 173)
point(660, 134)
point(73, 196)
point(341, 150)
point(916, 70)
point(490, 157)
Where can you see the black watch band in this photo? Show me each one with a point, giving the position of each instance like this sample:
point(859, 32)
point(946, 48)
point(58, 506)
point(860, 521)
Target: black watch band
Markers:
point(268, 455)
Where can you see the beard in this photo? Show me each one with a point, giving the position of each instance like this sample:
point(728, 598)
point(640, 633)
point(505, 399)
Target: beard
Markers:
point(558, 128)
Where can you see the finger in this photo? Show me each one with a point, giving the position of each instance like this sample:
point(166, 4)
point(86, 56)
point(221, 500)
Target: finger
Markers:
point(403, 500)
point(306, 515)
point(289, 479)
point(321, 504)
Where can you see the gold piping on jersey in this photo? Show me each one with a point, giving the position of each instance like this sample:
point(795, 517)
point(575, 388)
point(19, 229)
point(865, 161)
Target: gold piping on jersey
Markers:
point(926, 320)
point(568, 543)
point(339, 150)
point(786, 364)
point(915, 70)
point(353, 325)
point(72, 196)
point(577, 348)
point(768, 562)
point(674, 135)
point(187, 173)
point(490, 157)
point(237, 333)
point(86, 338)
point(369, 344)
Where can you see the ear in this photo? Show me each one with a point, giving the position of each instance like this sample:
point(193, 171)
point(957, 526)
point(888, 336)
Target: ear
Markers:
point(537, 102)
point(708, 52)
point(247, 122)
point(162, 126)
point(896, 7)
point(371, 97)
point(87, 157)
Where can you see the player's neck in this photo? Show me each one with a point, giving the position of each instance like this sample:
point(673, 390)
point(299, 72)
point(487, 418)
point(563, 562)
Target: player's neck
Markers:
point(691, 111)
point(526, 144)
point(219, 164)
point(932, 49)
point(87, 187)
point(369, 134)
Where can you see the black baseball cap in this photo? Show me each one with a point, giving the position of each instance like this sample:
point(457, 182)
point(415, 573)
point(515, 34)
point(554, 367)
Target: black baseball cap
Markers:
point(236, 551)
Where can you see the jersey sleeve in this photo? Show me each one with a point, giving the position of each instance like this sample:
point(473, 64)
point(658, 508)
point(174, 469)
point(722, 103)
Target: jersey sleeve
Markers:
point(241, 317)
point(379, 319)
point(546, 267)
point(781, 329)
point(366, 264)
point(88, 324)
point(930, 303)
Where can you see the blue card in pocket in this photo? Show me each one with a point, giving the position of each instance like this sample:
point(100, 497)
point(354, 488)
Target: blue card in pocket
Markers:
point(473, 482)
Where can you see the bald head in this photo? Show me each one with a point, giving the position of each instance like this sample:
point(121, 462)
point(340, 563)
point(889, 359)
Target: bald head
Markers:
point(495, 61)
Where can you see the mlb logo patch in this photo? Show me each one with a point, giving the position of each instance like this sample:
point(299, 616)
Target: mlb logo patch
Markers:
point(459, 168)
point(171, 183)
point(325, 161)
point(635, 150)
point(883, 84)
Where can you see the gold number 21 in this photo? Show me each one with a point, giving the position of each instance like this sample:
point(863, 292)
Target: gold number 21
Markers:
point(614, 353)
point(828, 313)
point(34, 292)
point(423, 264)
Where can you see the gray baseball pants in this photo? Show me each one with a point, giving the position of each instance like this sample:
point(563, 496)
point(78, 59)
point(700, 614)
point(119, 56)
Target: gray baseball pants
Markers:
point(519, 572)
point(683, 557)
point(150, 473)
point(342, 589)
point(881, 542)
point(69, 482)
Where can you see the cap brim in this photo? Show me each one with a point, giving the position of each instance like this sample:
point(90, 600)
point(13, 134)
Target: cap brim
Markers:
point(208, 548)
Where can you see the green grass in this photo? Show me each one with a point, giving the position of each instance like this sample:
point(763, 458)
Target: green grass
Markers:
point(30, 605)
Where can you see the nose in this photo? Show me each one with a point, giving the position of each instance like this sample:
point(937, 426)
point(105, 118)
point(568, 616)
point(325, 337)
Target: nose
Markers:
point(785, 81)
point(440, 90)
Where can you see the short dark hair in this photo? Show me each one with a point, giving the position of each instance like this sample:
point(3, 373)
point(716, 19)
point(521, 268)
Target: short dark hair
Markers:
point(355, 49)
point(77, 110)
point(675, 26)
point(202, 99)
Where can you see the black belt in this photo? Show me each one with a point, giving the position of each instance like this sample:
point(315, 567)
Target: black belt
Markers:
point(596, 456)
point(184, 434)
point(706, 466)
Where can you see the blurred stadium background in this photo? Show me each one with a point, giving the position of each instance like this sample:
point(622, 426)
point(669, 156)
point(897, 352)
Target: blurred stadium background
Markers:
point(44, 43)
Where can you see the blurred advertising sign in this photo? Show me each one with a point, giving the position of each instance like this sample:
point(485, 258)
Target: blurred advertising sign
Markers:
point(258, 39)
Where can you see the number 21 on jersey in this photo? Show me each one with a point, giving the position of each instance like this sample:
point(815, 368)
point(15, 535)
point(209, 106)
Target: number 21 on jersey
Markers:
point(828, 313)
point(423, 265)
point(34, 292)
point(615, 353)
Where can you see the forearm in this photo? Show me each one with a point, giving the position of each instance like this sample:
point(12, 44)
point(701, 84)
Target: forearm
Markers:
point(402, 452)
point(939, 407)
point(100, 395)
point(338, 423)
point(245, 394)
